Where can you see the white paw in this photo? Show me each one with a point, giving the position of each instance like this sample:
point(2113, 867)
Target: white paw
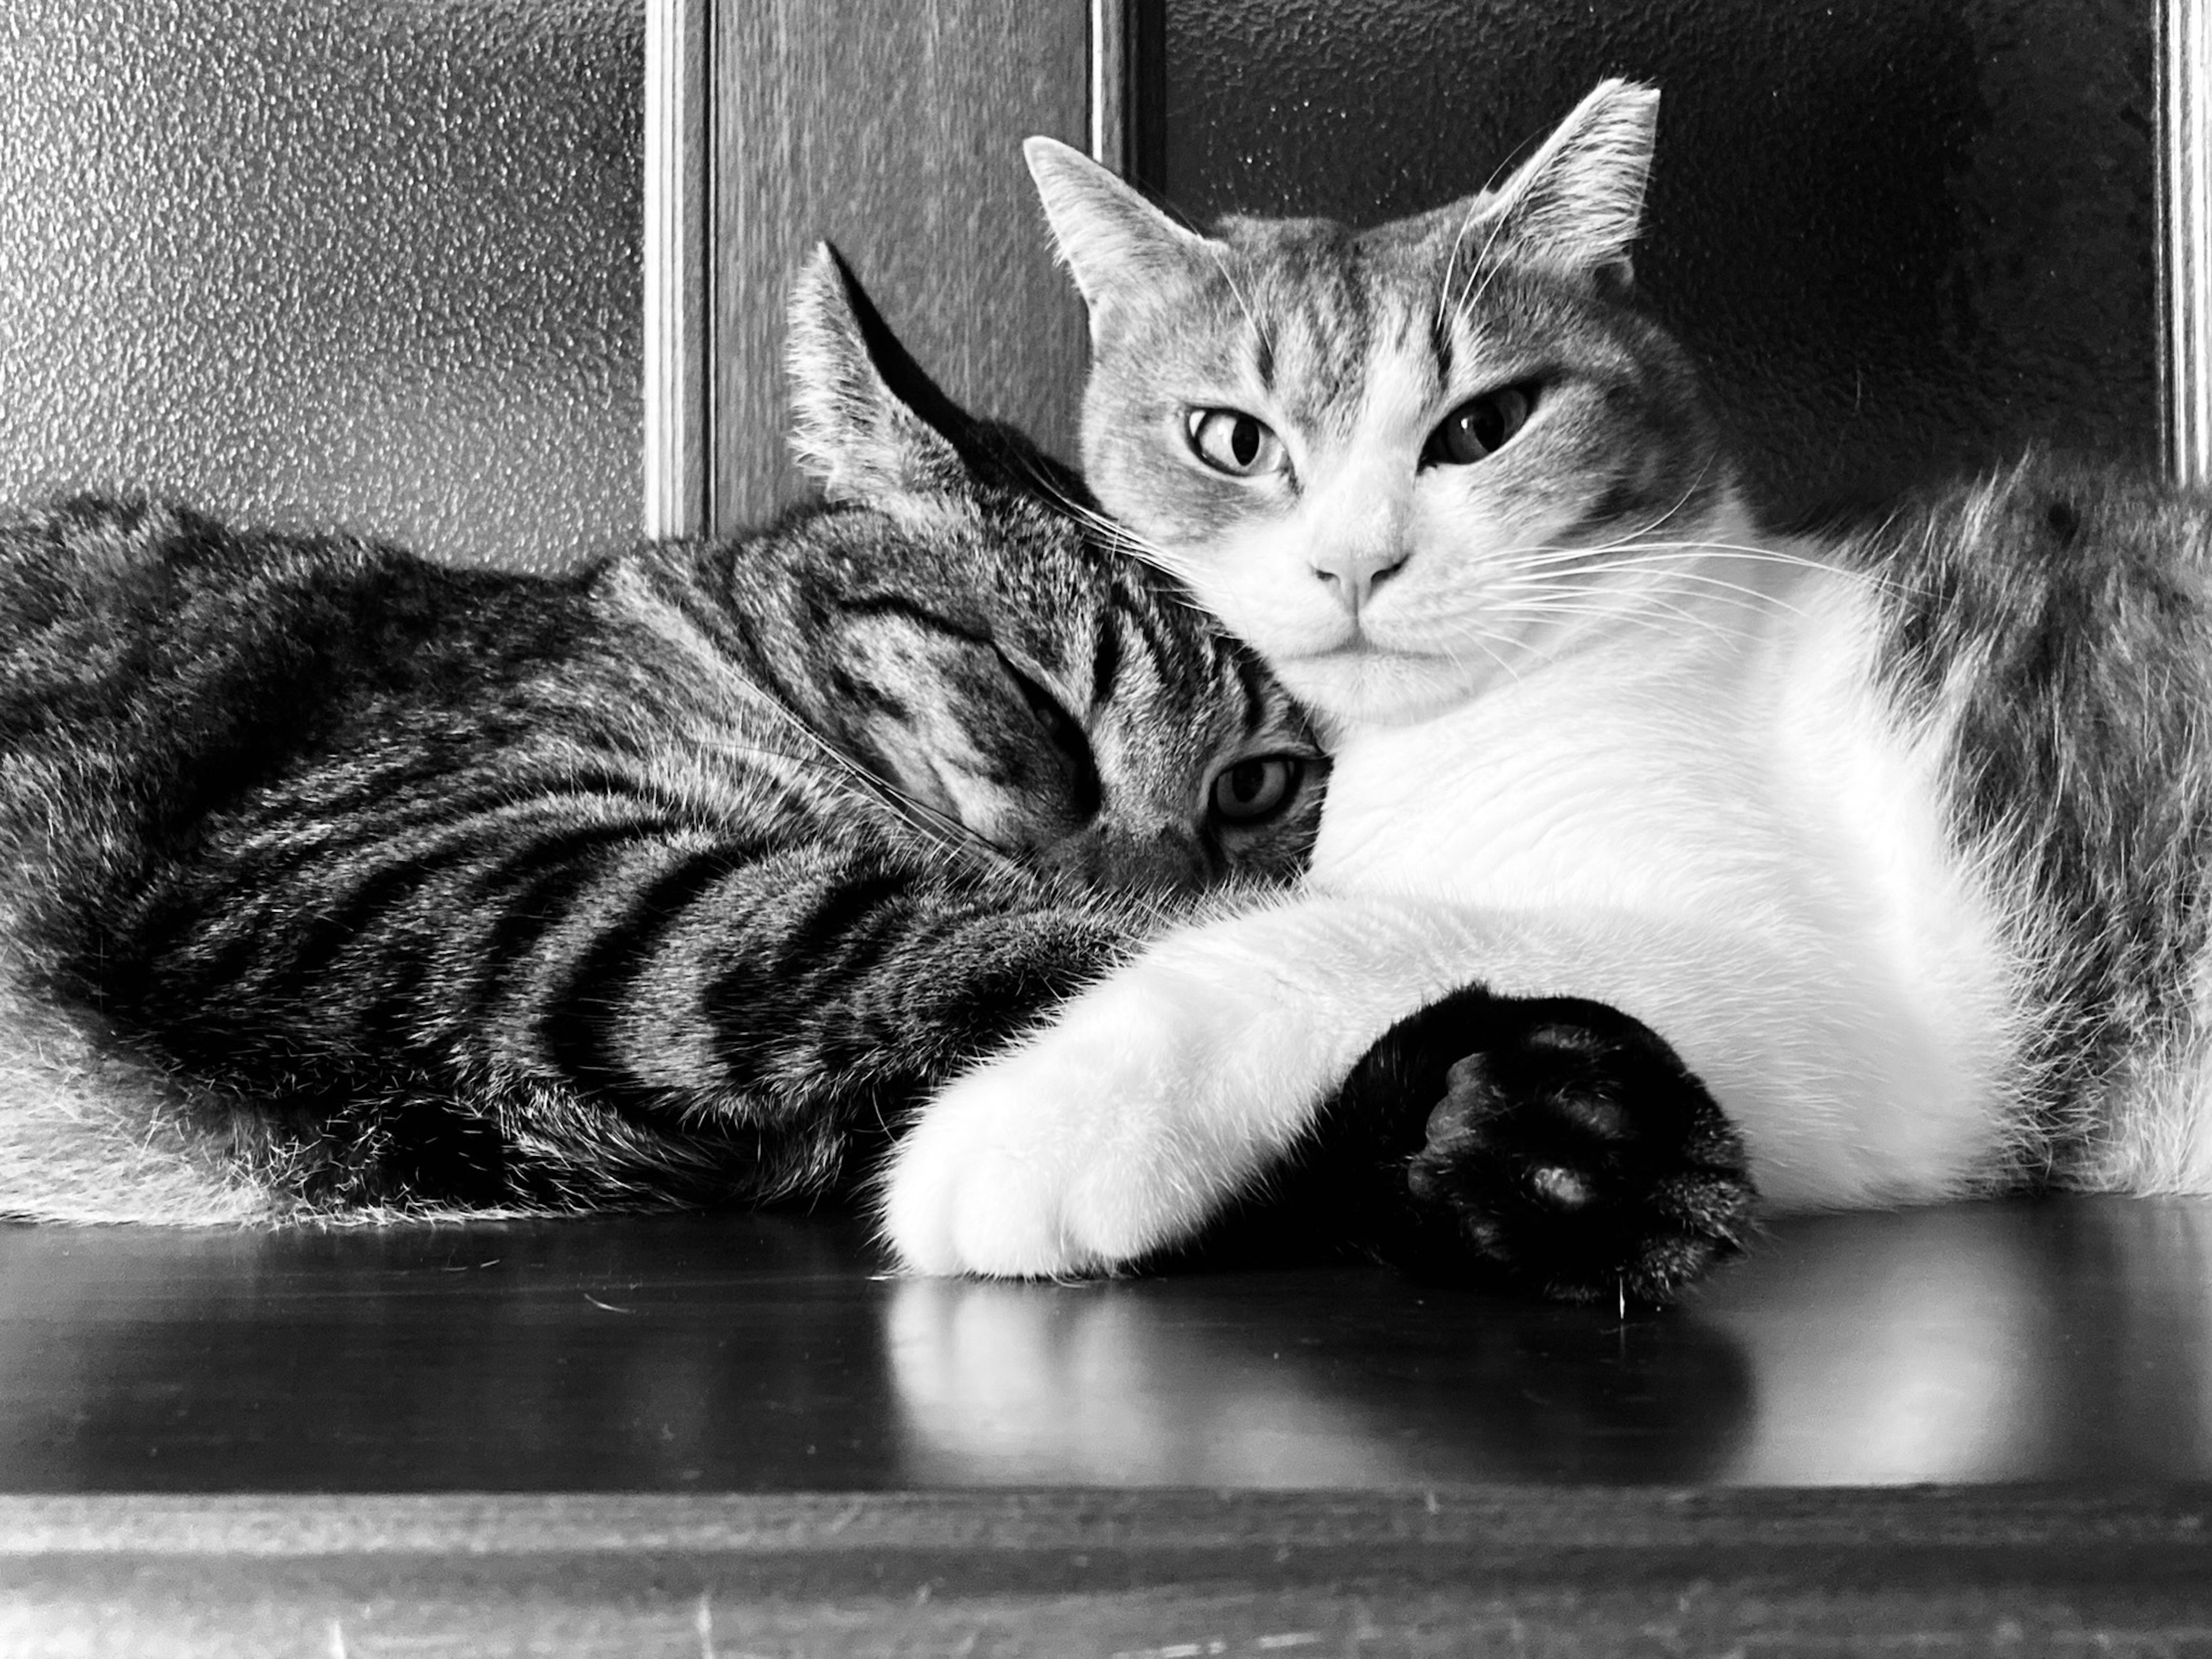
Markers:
point(1085, 1148)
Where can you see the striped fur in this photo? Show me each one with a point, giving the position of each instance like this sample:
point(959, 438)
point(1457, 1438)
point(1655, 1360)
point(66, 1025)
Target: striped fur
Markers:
point(340, 883)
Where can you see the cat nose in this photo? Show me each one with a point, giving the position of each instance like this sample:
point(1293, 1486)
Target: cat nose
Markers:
point(1353, 574)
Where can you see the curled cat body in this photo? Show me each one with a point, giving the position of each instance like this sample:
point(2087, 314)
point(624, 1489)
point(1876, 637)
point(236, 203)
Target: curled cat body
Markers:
point(1897, 839)
point(338, 883)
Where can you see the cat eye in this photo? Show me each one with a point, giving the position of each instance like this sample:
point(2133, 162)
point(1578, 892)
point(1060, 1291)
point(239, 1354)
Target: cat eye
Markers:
point(1228, 440)
point(1061, 729)
point(1479, 426)
point(1253, 791)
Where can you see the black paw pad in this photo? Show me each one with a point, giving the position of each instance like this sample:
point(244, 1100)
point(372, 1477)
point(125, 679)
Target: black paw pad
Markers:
point(1550, 1145)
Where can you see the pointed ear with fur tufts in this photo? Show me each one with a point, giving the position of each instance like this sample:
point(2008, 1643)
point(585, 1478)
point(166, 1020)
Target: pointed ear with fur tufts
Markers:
point(867, 422)
point(1578, 203)
point(1115, 243)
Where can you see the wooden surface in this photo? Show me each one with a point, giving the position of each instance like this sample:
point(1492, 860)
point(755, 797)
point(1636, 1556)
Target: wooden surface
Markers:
point(1521, 1571)
point(894, 132)
point(1978, 1429)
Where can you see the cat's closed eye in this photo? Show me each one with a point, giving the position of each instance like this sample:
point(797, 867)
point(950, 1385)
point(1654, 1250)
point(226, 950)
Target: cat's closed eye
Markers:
point(1480, 426)
point(1065, 734)
point(1254, 790)
point(1230, 440)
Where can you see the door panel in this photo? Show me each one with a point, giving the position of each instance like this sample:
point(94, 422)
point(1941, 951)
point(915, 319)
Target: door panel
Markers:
point(894, 132)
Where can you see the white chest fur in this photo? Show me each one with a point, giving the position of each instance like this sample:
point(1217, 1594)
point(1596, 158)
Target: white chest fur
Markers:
point(1738, 789)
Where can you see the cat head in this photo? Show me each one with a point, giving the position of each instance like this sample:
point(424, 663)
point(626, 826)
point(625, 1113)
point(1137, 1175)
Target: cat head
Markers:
point(978, 643)
point(1399, 461)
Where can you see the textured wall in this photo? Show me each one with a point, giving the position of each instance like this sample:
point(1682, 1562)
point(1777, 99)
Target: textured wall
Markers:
point(1905, 234)
point(363, 261)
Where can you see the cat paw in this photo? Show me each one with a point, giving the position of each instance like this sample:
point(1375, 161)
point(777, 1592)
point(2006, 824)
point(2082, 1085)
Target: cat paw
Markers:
point(1547, 1144)
point(1071, 1154)
point(979, 1185)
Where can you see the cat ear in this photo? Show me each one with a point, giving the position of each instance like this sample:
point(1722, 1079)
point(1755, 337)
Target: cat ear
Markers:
point(1578, 203)
point(1115, 243)
point(867, 422)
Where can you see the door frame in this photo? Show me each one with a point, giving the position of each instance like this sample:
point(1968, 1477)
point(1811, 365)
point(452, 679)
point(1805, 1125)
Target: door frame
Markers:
point(2185, 245)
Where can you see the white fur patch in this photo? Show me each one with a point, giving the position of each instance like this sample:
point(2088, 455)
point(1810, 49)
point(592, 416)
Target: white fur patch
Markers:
point(1756, 856)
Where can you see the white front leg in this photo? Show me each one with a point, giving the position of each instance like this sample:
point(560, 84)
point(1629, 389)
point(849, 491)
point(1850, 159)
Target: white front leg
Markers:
point(1155, 1095)
point(1162, 1090)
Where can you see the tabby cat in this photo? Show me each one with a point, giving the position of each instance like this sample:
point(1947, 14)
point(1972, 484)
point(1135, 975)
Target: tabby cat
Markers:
point(1899, 838)
point(337, 882)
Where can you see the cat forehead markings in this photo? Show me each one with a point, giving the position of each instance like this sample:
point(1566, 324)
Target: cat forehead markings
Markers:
point(1326, 323)
point(1286, 343)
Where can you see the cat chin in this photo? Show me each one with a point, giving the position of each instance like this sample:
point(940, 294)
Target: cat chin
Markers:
point(1368, 687)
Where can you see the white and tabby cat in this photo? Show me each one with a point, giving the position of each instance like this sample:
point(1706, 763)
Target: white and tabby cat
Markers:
point(1900, 841)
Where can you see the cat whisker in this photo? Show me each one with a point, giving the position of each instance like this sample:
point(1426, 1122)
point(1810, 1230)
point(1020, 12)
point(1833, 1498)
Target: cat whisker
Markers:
point(1560, 589)
point(1651, 605)
point(1166, 563)
point(1760, 555)
point(1470, 302)
point(1741, 550)
point(1688, 495)
point(1567, 563)
point(1642, 539)
point(1498, 222)
point(1713, 584)
point(1458, 659)
point(940, 830)
point(1481, 638)
point(1593, 555)
point(1145, 552)
point(1643, 608)
point(1443, 287)
point(1658, 576)
point(1242, 304)
point(1118, 538)
point(1050, 488)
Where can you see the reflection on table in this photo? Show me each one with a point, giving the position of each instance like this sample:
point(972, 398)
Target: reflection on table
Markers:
point(2054, 1340)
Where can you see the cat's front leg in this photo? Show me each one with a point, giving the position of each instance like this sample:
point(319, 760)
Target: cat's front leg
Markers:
point(1522, 1139)
point(1153, 1097)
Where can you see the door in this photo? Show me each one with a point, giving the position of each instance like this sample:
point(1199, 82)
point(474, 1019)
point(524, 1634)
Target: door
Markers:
point(895, 132)
point(1905, 238)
